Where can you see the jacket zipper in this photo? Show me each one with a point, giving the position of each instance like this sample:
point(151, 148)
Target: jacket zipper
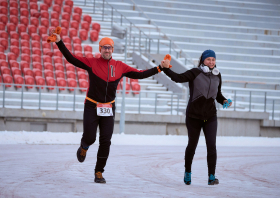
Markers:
point(107, 80)
point(209, 86)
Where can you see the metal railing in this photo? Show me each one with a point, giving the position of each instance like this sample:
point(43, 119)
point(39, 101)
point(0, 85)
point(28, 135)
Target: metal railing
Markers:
point(141, 102)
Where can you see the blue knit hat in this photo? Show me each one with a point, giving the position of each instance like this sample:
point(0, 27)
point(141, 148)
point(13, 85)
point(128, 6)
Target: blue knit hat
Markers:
point(208, 53)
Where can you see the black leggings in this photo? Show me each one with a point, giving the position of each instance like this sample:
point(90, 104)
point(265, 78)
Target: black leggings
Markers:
point(106, 127)
point(210, 132)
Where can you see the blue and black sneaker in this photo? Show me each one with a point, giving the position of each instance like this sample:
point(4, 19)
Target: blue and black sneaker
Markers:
point(212, 180)
point(187, 178)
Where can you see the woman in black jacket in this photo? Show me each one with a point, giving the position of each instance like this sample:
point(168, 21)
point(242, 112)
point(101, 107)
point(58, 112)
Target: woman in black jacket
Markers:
point(205, 86)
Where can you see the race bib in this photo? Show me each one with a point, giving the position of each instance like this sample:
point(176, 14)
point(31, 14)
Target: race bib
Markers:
point(104, 109)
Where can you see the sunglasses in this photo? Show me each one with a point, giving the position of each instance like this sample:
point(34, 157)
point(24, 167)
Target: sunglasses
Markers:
point(107, 47)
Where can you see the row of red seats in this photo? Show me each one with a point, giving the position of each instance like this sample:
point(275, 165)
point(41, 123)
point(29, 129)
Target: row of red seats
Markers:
point(133, 85)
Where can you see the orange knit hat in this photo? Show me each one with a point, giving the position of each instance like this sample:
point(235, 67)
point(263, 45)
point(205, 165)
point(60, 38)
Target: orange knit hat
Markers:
point(106, 41)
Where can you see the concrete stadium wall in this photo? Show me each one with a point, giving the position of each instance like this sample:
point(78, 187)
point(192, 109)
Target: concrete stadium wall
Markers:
point(229, 123)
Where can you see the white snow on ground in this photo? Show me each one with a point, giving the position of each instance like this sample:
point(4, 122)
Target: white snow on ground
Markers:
point(23, 137)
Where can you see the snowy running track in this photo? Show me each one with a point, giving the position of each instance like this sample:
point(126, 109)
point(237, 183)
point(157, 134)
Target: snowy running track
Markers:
point(137, 169)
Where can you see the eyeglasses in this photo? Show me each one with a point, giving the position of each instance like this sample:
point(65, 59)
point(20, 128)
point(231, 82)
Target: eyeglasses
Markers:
point(107, 47)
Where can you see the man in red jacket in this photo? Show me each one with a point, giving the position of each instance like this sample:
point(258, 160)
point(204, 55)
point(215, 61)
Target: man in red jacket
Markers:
point(104, 76)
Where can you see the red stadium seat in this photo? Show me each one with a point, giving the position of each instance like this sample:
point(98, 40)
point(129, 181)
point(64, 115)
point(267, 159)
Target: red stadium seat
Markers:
point(87, 18)
point(48, 73)
point(13, 4)
point(45, 37)
point(13, 11)
point(24, 43)
point(21, 28)
point(80, 70)
point(59, 66)
point(34, 21)
point(35, 13)
point(79, 53)
point(71, 74)
point(97, 55)
point(36, 58)
point(65, 16)
point(76, 17)
point(14, 64)
point(3, 10)
point(48, 2)
point(36, 51)
point(45, 15)
point(25, 50)
point(35, 44)
point(57, 53)
point(64, 23)
point(59, 74)
point(16, 71)
point(35, 37)
point(48, 66)
point(24, 64)
point(68, 46)
point(4, 43)
point(29, 80)
point(94, 35)
point(23, 5)
point(4, 19)
point(61, 82)
point(83, 34)
point(88, 55)
point(67, 9)
point(83, 84)
point(32, 29)
point(47, 51)
point(85, 25)
point(24, 12)
point(11, 56)
point(4, 3)
point(27, 72)
point(54, 22)
point(3, 63)
point(25, 57)
point(14, 19)
point(37, 65)
point(77, 40)
point(45, 44)
point(2, 26)
point(70, 67)
point(44, 6)
point(47, 59)
point(42, 30)
point(24, 20)
point(18, 80)
point(14, 35)
point(87, 48)
point(33, 1)
point(50, 83)
point(59, 2)
point(69, 3)
point(2, 56)
point(5, 70)
point(71, 83)
point(135, 87)
point(82, 75)
point(37, 72)
point(66, 39)
point(78, 10)
point(74, 24)
point(33, 6)
point(54, 15)
point(64, 32)
point(57, 8)
point(2, 49)
point(4, 35)
point(7, 79)
point(72, 32)
point(96, 26)
point(11, 27)
point(40, 81)
point(45, 22)
point(15, 50)
point(127, 87)
point(57, 59)
point(14, 42)
point(77, 47)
